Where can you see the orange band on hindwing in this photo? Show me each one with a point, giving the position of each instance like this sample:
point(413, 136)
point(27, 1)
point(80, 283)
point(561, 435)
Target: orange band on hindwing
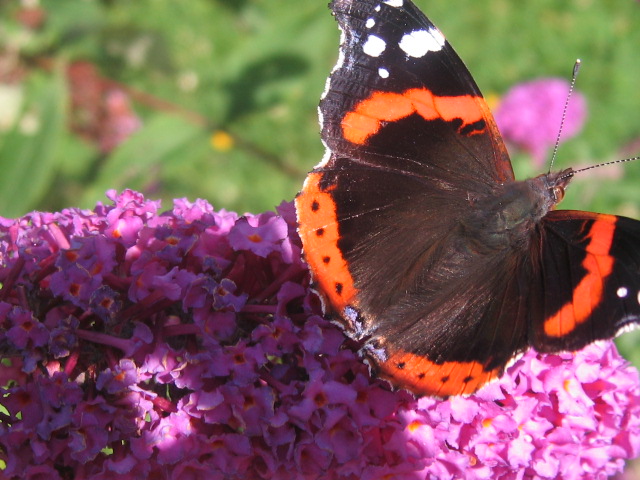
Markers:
point(589, 292)
point(424, 377)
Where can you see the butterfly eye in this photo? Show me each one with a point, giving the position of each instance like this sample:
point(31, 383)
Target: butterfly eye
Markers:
point(558, 193)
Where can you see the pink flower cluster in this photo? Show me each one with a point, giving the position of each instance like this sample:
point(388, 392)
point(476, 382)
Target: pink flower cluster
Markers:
point(188, 344)
point(529, 115)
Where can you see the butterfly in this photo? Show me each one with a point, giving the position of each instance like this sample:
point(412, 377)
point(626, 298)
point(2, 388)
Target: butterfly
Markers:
point(429, 252)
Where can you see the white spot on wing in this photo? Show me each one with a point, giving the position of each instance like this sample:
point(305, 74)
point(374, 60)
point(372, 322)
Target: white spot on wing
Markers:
point(370, 23)
point(343, 40)
point(383, 72)
point(622, 292)
point(374, 46)
point(356, 328)
point(338, 66)
point(394, 3)
point(419, 42)
point(629, 327)
point(325, 158)
point(377, 9)
point(327, 86)
point(379, 353)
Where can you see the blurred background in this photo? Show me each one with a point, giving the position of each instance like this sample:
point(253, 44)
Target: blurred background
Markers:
point(217, 98)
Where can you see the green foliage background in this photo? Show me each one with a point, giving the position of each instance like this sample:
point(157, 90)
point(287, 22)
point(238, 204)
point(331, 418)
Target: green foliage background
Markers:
point(256, 68)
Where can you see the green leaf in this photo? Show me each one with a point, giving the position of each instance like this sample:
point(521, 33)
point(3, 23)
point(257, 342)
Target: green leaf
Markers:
point(138, 162)
point(28, 158)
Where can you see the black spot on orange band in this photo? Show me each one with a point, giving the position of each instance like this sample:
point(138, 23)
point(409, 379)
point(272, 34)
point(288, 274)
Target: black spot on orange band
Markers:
point(319, 232)
point(424, 377)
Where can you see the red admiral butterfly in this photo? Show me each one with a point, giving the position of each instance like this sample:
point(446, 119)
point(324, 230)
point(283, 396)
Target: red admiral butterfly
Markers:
point(433, 255)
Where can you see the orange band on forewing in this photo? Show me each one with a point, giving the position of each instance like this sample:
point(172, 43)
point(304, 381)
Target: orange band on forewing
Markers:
point(424, 377)
point(464, 107)
point(357, 127)
point(318, 229)
point(588, 293)
point(430, 107)
point(364, 121)
point(366, 118)
point(387, 106)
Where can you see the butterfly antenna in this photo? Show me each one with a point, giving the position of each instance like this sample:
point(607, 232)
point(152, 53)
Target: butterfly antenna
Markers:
point(591, 167)
point(574, 75)
point(576, 68)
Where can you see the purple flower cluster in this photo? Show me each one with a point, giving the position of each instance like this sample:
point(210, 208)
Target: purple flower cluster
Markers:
point(529, 115)
point(188, 344)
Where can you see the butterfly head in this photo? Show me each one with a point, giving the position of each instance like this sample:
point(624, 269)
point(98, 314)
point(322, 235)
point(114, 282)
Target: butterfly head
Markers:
point(555, 184)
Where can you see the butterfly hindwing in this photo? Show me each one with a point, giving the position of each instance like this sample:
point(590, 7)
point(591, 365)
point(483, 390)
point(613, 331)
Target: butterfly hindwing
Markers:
point(589, 285)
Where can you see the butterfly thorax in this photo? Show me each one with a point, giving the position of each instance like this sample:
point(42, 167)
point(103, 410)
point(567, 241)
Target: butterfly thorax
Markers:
point(505, 219)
